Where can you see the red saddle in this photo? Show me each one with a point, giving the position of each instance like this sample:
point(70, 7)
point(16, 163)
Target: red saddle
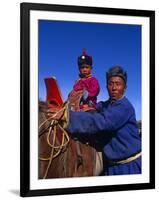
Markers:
point(53, 93)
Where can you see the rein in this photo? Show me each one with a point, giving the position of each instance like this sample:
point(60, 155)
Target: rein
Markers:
point(55, 149)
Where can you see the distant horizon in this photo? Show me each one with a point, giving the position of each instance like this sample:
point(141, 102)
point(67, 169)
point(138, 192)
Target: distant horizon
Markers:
point(61, 42)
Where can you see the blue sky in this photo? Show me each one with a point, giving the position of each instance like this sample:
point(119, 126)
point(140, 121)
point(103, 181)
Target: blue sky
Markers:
point(61, 42)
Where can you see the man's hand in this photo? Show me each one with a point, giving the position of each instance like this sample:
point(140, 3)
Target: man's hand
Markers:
point(55, 113)
point(60, 114)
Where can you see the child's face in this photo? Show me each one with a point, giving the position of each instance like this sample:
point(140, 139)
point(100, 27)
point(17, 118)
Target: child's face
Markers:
point(85, 69)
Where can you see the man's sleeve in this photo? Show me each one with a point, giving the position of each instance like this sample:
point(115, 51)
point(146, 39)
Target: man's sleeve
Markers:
point(91, 123)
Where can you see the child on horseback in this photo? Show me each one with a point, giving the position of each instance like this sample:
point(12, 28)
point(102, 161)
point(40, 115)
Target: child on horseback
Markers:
point(86, 83)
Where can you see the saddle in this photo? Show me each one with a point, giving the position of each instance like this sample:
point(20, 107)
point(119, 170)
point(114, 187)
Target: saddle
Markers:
point(74, 99)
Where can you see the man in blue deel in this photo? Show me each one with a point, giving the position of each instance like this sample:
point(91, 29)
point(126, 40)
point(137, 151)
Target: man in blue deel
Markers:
point(114, 125)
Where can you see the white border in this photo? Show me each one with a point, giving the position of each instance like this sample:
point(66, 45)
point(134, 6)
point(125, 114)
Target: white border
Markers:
point(84, 181)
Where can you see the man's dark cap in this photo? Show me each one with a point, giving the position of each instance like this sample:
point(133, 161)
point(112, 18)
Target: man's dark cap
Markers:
point(116, 71)
point(84, 59)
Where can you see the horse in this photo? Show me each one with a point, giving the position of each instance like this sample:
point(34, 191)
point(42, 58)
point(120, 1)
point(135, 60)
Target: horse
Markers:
point(60, 154)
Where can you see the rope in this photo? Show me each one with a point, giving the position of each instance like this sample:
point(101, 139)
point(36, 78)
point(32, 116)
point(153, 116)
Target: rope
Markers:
point(59, 148)
point(64, 134)
point(53, 116)
point(51, 157)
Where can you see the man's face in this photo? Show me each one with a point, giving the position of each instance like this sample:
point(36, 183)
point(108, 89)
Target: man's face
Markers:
point(116, 87)
point(85, 69)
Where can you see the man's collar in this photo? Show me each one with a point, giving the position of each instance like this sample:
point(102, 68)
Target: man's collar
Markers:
point(111, 101)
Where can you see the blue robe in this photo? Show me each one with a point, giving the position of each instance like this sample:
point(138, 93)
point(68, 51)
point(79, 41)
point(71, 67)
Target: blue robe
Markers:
point(114, 128)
